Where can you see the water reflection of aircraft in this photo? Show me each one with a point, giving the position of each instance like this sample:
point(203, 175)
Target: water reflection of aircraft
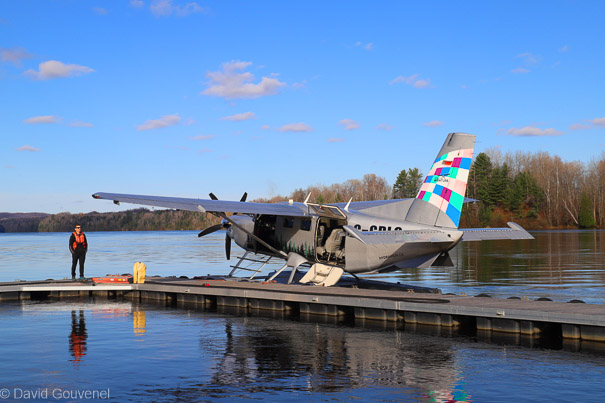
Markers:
point(78, 336)
point(353, 237)
point(318, 358)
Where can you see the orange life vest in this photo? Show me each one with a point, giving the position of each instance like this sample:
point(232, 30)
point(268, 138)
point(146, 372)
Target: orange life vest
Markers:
point(79, 240)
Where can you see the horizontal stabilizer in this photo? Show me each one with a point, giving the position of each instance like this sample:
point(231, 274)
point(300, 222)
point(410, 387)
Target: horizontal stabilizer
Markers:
point(515, 231)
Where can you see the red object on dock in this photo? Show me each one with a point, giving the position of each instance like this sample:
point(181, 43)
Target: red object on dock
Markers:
point(113, 279)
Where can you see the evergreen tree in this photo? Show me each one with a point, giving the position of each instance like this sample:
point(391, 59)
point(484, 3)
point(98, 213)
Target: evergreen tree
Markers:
point(525, 194)
point(479, 178)
point(399, 188)
point(414, 182)
point(498, 186)
point(407, 184)
point(586, 216)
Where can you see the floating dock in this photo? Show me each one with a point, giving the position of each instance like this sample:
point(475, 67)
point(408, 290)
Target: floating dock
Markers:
point(395, 303)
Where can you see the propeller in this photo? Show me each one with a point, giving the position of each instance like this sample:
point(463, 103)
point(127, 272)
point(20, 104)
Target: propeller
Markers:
point(227, 246)
point(210, 230)
point(223, 225)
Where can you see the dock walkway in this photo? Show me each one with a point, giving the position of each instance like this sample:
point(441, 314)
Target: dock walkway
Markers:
point(578, 321)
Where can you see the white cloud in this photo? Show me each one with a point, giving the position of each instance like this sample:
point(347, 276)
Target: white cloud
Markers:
point(579, 126)
point(79, 123)
point(530, 131)
point(203, 137)
point(55, 69)
point(14, 56)
point(28, 149)
point(529, 58)
point(165, 8)
point(231, 84)
point(384, 126)
point(412, 80)
point(433, 123)
point(137, 3)
point(265, 127)
point(367, 46)
point(164, 121)
point(349, 124)
point(204, 150)
point(239, 117)
point(598, 121)
point(422, 83)
point(296, 127)
point(564, 48)
point(100, 10)
point(520, 70)
point(335, 140)
point(37, 120)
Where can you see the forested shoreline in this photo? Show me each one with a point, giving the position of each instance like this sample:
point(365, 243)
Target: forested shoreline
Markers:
point(130, 220)
point(538, 191)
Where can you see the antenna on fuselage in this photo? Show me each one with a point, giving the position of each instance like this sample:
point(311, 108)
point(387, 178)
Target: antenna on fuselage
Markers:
point(307, 199)
point(348, 204)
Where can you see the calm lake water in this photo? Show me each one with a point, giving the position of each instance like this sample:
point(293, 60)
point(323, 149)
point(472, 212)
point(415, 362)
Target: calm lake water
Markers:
point(146, 352)
point(561, 265)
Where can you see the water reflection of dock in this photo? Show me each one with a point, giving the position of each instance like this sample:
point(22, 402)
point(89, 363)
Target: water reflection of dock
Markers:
point(533, 319)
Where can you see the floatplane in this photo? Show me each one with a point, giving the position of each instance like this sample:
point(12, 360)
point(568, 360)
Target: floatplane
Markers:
point(353, 237)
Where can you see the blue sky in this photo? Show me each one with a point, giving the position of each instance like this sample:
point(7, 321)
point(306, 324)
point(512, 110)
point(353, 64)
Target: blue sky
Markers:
point(182, 98)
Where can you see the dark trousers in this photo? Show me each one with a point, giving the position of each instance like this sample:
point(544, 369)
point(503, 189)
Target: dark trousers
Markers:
point(75, 257)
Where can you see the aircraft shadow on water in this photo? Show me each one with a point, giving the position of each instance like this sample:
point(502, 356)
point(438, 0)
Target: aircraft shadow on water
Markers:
point(354, 237)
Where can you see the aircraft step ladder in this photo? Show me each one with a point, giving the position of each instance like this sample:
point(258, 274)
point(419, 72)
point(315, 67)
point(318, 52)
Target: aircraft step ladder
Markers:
point(323, 275)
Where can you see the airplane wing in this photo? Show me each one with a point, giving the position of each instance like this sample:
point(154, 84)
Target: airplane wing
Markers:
point(203, 205)
point(514, 231)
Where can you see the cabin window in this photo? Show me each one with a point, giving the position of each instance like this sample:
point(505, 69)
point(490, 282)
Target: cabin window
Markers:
point(305, 225)
point(288, 222)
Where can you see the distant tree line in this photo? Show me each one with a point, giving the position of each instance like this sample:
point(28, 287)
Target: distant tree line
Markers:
point(370, 187)
point(129, 220)
point(19, 224)
point(538, 191)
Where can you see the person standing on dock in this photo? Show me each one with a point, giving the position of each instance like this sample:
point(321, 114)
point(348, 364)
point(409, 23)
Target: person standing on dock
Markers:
point(78, 246)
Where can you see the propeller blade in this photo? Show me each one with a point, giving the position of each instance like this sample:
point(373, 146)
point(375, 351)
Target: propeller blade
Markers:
point(210, 230)
point(244, 197)
point(228, 246)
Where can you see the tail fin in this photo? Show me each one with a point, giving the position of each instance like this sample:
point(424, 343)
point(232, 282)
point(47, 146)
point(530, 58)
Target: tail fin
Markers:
point(439, 202)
